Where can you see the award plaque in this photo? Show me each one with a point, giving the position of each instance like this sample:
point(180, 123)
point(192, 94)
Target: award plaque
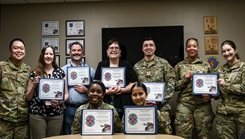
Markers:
point(49, 89)
point(155, 91)
point(140, 120)
point(113, 76)
point(205, 84)
point(97, 122)
point(78, 75)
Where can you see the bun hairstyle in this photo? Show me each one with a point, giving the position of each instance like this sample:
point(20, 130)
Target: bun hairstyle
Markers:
point(139, 84)
point(101, 84)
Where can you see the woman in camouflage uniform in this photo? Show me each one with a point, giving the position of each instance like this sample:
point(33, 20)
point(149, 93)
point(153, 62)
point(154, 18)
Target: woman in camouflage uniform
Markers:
point(192, 111)
point(231, 107)
point(96, 93)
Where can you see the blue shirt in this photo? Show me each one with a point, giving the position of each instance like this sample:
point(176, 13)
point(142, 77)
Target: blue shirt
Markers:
point(74, 96)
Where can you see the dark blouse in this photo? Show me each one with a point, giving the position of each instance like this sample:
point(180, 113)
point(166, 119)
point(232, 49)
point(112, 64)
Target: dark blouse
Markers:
point(123, 99)
point(37, 106)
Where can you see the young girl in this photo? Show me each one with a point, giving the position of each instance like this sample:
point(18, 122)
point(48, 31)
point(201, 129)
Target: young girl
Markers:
point(96, 93)
point(139, 95)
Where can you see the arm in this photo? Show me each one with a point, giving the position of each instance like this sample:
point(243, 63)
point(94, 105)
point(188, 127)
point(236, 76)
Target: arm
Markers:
point(170, 84)
point(117, 122)
point(31, 88)
point(75, 129)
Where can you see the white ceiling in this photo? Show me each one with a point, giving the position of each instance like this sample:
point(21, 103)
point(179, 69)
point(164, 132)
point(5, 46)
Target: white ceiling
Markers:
point(44, 1)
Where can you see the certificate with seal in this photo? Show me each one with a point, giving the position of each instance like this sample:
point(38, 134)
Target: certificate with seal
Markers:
point(49, 89)
point(113, 76)
point(205, 83)
point(78, 75)
point(140, 120)
point(97, 122)
point(155, 91)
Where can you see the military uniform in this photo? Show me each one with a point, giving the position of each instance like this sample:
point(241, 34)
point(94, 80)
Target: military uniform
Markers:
point(158, 70)
point(231, 107)
point(192, 111)
point(75, 129)
point(13, 104)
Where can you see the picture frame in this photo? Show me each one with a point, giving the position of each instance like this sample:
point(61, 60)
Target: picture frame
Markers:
point(68, 59)
point(75, 28)
point(55, 42)
point(211, 45)
point(210, 25)
point(70, 41)
point(57, 58)
point(50, 28)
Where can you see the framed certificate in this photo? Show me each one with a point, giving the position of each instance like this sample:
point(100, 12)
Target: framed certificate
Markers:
point(51, 89)
point(78, 75)
point(155, 91)
point(75, 28)
point(97, 122)
point(54, 42)
point(140, 120)
point(50, 28)
point(205, 83)
point(113, 76)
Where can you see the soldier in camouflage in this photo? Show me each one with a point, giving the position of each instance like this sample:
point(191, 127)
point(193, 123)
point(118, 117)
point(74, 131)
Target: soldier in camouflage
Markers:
point(230, 112)
point(96, 93)
point(193, 111)
point(13, 83)
point(155, 69)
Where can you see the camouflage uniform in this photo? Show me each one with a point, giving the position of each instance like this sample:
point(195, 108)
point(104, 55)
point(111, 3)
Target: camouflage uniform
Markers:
point(75, 129)
point(191, 111)
point(231, 107)
point(13, 105)
point(158, 70)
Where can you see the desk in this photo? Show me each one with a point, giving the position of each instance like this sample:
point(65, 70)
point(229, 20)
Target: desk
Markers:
point(117, 136)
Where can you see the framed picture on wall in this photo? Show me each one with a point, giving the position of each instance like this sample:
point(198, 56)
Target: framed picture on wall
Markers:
point(50, 28)
point(68, 59)
point(70, 41)
point(75, 28)
point(210, 25)
point(211, 45)
point(57, 58)
point(53, 42)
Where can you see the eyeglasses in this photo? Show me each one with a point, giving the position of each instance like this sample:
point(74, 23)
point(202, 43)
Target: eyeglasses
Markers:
point(113, 48)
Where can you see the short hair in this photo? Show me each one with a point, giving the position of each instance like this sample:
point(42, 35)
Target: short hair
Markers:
point(194, 39)
point(148, 39)
point(101, 84)
point(76, 43)
point(113, 40)
point(139, 84)
point(16, 39)
point(232, 44)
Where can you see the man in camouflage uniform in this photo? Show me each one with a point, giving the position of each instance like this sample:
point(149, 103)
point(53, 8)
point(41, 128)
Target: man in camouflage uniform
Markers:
point(230, 121)
point(155, 69)
point(13, 83)
point(77, 119)
point(192, 111)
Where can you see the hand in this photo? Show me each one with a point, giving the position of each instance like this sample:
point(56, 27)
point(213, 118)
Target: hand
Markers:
point(206, 97)
point(187, 77)
point(221, 82)
point(150, 103)
point(117, 89)
point(54, 103)
point(35, 81)
point(80, 88)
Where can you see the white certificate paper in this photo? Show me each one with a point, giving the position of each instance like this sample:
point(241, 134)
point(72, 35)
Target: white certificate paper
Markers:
point(51, 89)
point(113, 76)
point(97, 121)
point(155, 91)
point(140, 120)
point(205, 84)
point(50, 28)
point(78, 75)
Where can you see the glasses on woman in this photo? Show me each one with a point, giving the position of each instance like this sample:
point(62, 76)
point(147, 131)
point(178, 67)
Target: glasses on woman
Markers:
point(113, 48)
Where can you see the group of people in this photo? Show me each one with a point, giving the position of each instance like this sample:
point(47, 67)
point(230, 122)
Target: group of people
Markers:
point(22, 113)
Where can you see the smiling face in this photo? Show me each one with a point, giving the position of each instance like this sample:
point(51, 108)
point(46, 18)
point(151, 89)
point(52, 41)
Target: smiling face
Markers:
point(49, 56)
point(229, 53)
point(139, 96)
point(114, 51)
point(17, 51)
point(95, 95)
point(149, 48)
point(76, 52)
point(192, 49)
